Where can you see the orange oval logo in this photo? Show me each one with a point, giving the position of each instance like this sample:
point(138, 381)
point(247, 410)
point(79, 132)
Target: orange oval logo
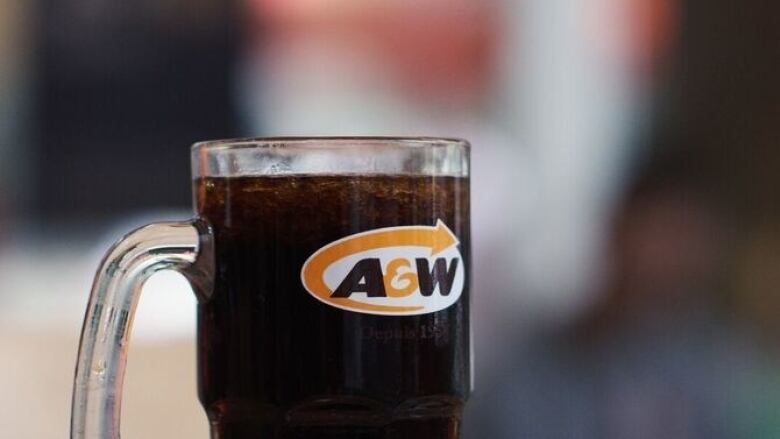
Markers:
point(408, 270)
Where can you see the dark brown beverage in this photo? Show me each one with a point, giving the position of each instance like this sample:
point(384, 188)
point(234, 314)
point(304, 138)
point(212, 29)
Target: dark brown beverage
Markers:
point(276, 362)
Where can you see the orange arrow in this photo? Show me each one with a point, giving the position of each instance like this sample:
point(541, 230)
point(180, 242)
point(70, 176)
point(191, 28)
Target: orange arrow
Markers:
point(438, 238)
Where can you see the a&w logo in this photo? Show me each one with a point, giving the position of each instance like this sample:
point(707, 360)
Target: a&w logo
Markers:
point(406, 270)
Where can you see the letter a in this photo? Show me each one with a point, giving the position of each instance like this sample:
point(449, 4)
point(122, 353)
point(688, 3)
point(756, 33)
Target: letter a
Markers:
point(365, 277)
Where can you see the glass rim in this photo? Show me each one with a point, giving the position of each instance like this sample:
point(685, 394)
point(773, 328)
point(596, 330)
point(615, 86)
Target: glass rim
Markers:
point(325, 142)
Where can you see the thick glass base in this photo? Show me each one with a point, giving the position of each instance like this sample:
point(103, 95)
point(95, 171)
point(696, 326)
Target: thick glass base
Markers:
point(337, 418)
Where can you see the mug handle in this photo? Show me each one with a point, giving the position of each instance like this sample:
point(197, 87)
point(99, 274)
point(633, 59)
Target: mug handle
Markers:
point(186, 247)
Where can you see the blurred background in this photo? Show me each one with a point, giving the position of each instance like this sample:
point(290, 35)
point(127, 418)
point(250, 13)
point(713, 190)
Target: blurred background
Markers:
point(626, 208)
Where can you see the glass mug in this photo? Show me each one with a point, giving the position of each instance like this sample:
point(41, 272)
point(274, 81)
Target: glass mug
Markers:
point(332, 277)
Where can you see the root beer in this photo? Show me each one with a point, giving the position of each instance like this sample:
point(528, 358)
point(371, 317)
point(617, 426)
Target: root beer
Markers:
point(340, 306)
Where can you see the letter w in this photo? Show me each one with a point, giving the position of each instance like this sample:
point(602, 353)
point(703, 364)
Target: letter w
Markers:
point(440, 274)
